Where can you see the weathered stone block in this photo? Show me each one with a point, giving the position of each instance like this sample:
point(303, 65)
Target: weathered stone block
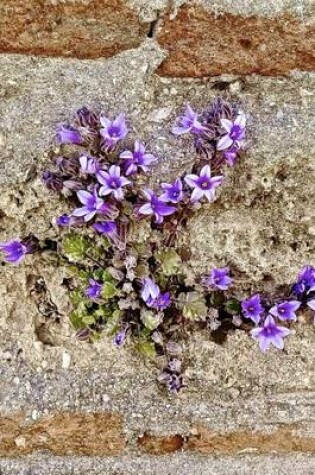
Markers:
point(80, 28)
point(204, 39)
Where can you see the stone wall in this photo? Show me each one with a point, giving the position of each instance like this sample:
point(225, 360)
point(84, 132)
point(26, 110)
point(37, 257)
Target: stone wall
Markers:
point(73, 407)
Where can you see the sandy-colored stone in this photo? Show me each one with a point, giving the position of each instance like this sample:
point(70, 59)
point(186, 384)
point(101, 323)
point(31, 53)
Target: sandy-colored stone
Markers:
point(201, 42)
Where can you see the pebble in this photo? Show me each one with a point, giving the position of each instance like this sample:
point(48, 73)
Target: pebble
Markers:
point(66, 360)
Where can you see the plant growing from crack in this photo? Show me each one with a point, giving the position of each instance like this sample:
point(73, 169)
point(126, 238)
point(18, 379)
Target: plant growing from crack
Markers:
point(126, 273)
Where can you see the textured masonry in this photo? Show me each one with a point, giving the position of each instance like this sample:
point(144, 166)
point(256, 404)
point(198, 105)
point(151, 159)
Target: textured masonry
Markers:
point(70, 407)
point(201, 38)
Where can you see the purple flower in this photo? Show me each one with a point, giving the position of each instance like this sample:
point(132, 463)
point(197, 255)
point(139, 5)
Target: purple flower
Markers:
point(64, 220)
point(120, 337)
point(92, 204)
point(252, 308)
point(218, 279)
point(269, 334)
point(150, 290)
point(113, 131)
point(94, 290)
point(89, 165)
point(137, 159)
point(173, 192)
point(305, 282)
point(235, 132)
point(68, 135)
point(14, 251)
point(285, 310)
point(203, 184)
point(161, 302)
point(189, 123)
point(52, 181)
point(156, 207)
point(106, 227)
point(112, 182)
point(230, 155)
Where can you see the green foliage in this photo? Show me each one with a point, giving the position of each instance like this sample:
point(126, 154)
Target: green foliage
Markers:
point(109, 291)
point(193, 306)
point(151, 320)
point(146, 349)
point(233, 306)
point(170, 261)
point(75, 247)
point(113, 322)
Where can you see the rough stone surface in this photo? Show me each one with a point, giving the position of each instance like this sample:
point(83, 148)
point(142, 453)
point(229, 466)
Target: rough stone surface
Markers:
point(81, 28)
point(201, 42)
point(170, 465)
point(64, 433)
point(261, 225)
point(201, 36)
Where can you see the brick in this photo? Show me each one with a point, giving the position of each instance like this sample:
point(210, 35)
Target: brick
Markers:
point(83, 29)
point(63, 433)
point(202, 43)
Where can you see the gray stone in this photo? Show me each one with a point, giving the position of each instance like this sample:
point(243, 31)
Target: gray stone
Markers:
point(170, 465)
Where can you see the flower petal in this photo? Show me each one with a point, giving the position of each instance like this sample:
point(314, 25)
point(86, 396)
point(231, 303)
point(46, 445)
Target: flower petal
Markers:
point(178, 130)
point(84, 196)
point(146, 209)
point(240, 119)
point(227, 124)
point(196, 195)
point(206, 171)
point(224, 142)
point(191, 180)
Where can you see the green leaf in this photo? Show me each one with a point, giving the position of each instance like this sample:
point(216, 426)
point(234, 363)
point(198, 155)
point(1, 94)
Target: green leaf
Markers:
point(76, 320)
point(146, 349)
point(75, 246)
point(194, 306)
point(81, 274)
point(109, 291)
point(170, 261)
point(88, 320)
point(151, 320)
point(113, 323)
point(233, 306)
point(104, 312)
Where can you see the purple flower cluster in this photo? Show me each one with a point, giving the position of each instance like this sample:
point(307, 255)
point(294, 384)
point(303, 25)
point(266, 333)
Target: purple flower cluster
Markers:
point(269, 333)
point(264, 316)
point(101, 178)
point(220, 131)
point(97, 179)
